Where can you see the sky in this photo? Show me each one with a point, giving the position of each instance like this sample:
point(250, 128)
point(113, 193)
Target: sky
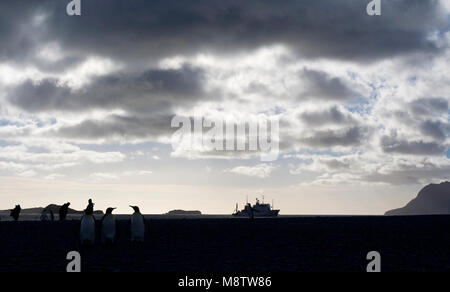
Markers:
point(87, 103)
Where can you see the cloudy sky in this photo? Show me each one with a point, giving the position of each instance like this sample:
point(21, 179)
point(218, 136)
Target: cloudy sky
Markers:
point(86, 102)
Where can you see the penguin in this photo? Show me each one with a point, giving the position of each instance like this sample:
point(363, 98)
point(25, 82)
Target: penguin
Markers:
point(108, 227)
point(63, 211)
point(137, 229)
point(87, 230)
point(90, 207)
point(16, 212)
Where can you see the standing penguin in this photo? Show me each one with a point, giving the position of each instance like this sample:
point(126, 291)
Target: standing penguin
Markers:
point(87, 229)
point(90, 207)
point(137, 226)
point(63, 211)
point(108, 227)
point(16, 212)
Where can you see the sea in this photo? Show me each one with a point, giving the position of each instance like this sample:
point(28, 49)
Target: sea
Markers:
point(4, 217)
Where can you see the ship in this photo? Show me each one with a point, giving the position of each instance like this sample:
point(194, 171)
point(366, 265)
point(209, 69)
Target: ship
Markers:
point(259, 210)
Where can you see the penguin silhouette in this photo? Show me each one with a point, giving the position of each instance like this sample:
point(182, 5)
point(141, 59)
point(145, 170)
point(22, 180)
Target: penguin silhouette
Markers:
point(90, 207)
point(137, 228)
point(63, 211)
point(87, 228)
point(16, 212)
point(108, 227)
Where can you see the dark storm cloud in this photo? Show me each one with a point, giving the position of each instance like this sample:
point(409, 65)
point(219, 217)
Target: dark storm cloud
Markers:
point(331, 116)
point(149, 100)
point(320, 85)
point(15, 40)
point(354, 136)
point(350, 132)
point(137, 30)
point(429, 106)
point(409, 174)
point(151, 91)
point(391, 144)
point(435, 129)
point(120, 127)
point(335, 164)
point(258, 87)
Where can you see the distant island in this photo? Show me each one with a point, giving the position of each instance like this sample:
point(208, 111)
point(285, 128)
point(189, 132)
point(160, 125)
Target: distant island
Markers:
point(434, 199)
point(183, 212)
point(52, 207)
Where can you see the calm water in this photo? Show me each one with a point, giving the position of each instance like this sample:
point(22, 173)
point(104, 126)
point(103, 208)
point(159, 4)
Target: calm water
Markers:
point(37, 217)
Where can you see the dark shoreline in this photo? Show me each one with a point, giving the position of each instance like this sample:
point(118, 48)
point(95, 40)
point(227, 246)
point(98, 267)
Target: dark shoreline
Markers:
point(238, 245)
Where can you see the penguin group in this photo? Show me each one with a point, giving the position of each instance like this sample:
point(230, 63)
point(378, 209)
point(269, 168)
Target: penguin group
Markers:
point(88, 228)
point(108, 226)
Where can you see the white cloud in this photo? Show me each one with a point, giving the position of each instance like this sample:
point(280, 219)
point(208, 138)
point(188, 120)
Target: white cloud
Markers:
point(271, 81)
point(28, 173)
point(55, 176)
point(446, 5)
point(261, 170)
point(145, 172)
point(138, 173)
point(49, 158)
point(104, 176)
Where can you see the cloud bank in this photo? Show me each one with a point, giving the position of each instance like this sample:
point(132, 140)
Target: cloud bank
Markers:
point(360, 99)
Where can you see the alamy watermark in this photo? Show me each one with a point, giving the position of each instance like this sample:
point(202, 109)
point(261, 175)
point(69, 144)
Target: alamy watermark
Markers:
point(212, 135)
point(74, 266)
point(374, 8)
point(374, 265)
point(74, 8)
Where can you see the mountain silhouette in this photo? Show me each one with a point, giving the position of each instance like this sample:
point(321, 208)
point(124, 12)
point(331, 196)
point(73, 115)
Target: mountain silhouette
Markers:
point(52, 207)
point(434, 199)
point(183, 212)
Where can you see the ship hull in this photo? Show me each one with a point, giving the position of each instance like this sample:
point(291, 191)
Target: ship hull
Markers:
point(272, 213)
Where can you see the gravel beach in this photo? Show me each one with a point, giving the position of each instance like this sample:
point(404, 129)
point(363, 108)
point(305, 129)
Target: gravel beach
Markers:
point(237, 245)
